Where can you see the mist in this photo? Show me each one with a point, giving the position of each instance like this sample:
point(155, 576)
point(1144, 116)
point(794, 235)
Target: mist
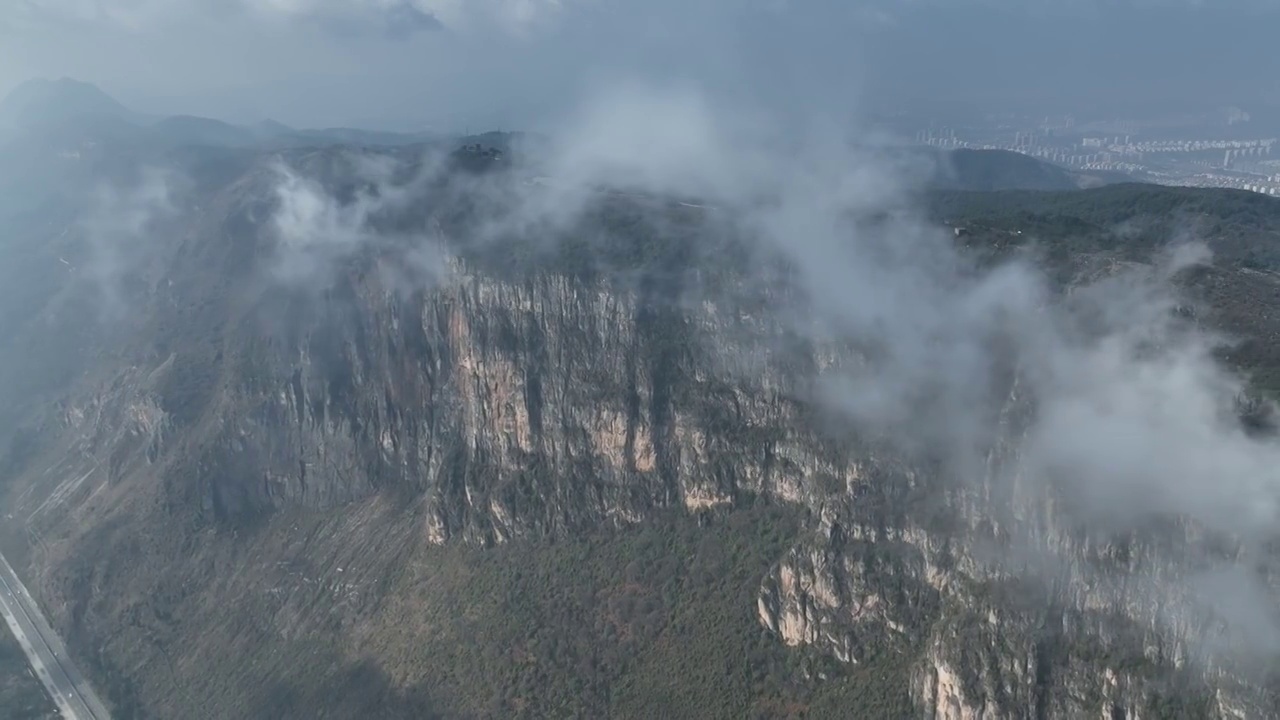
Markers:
point(1124, 413)
point(1098, 407)
point(122, 228)
point(1131, 406)
point(396, 64)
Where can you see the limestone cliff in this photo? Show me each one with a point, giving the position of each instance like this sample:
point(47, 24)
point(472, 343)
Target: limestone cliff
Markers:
point(266, 467)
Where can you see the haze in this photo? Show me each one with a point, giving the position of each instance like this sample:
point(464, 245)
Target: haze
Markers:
point(445, 64)
point(263, 380)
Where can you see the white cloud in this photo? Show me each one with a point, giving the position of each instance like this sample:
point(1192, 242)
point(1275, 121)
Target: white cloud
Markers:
point(315, 231)
point(1127, 412)
point(120, 229)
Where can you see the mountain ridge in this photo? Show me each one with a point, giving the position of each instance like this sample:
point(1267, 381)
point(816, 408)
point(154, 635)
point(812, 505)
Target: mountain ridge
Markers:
point(367, 476)
point(73, 107)
point(42, 101)
point(77, 105)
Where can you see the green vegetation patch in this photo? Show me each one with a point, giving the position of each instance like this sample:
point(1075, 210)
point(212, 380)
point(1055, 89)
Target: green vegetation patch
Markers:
point(647, 622)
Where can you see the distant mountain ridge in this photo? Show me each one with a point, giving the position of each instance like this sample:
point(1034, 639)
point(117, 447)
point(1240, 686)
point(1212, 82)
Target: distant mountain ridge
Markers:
point(68, 105)
point(988, 170)
point(55, 108)
point(40, 101)
point(995, 170)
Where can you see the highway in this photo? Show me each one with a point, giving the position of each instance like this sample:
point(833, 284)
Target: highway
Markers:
point(45, 651)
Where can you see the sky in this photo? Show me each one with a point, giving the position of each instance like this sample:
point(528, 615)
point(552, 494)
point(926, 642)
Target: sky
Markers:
point(402, 64)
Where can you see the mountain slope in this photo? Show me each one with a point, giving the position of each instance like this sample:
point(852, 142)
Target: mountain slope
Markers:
point(1003, 170)
point(68, 110)
point(987, 170)
point(553, 474)
point(38, 102)
point(188, 130)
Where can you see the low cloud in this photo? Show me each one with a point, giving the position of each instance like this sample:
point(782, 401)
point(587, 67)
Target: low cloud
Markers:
point(941, 335)
point(1124, 410)
point(1120, 410)
point(122, 231)
point(315, 229)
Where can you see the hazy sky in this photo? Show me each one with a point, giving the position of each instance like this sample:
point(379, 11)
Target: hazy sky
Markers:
point(514, 62)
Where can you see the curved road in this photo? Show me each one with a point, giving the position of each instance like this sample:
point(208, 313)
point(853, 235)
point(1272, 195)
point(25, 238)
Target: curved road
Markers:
point(45, 651)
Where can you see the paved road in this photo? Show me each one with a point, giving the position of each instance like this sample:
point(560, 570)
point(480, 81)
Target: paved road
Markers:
point(45, 651)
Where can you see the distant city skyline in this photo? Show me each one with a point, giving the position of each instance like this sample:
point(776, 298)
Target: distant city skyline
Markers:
point(1223, 149)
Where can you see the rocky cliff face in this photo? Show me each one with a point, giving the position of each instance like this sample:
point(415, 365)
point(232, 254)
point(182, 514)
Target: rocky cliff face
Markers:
point(275, 466)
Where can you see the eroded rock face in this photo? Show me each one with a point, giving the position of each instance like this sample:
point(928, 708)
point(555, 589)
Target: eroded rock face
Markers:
point(489, 399)
point(520, 410)
point(1007, 608)
point(488, 409)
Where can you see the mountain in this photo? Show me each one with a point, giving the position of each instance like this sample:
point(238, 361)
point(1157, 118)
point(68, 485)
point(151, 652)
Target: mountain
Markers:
point(271, 128)
point(66, 109)
point(358, 137)
point(189, 130)
point(38, 102)
point(321, 443)
point(1130, 215)
point(992, 170)
point(1002, 170)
